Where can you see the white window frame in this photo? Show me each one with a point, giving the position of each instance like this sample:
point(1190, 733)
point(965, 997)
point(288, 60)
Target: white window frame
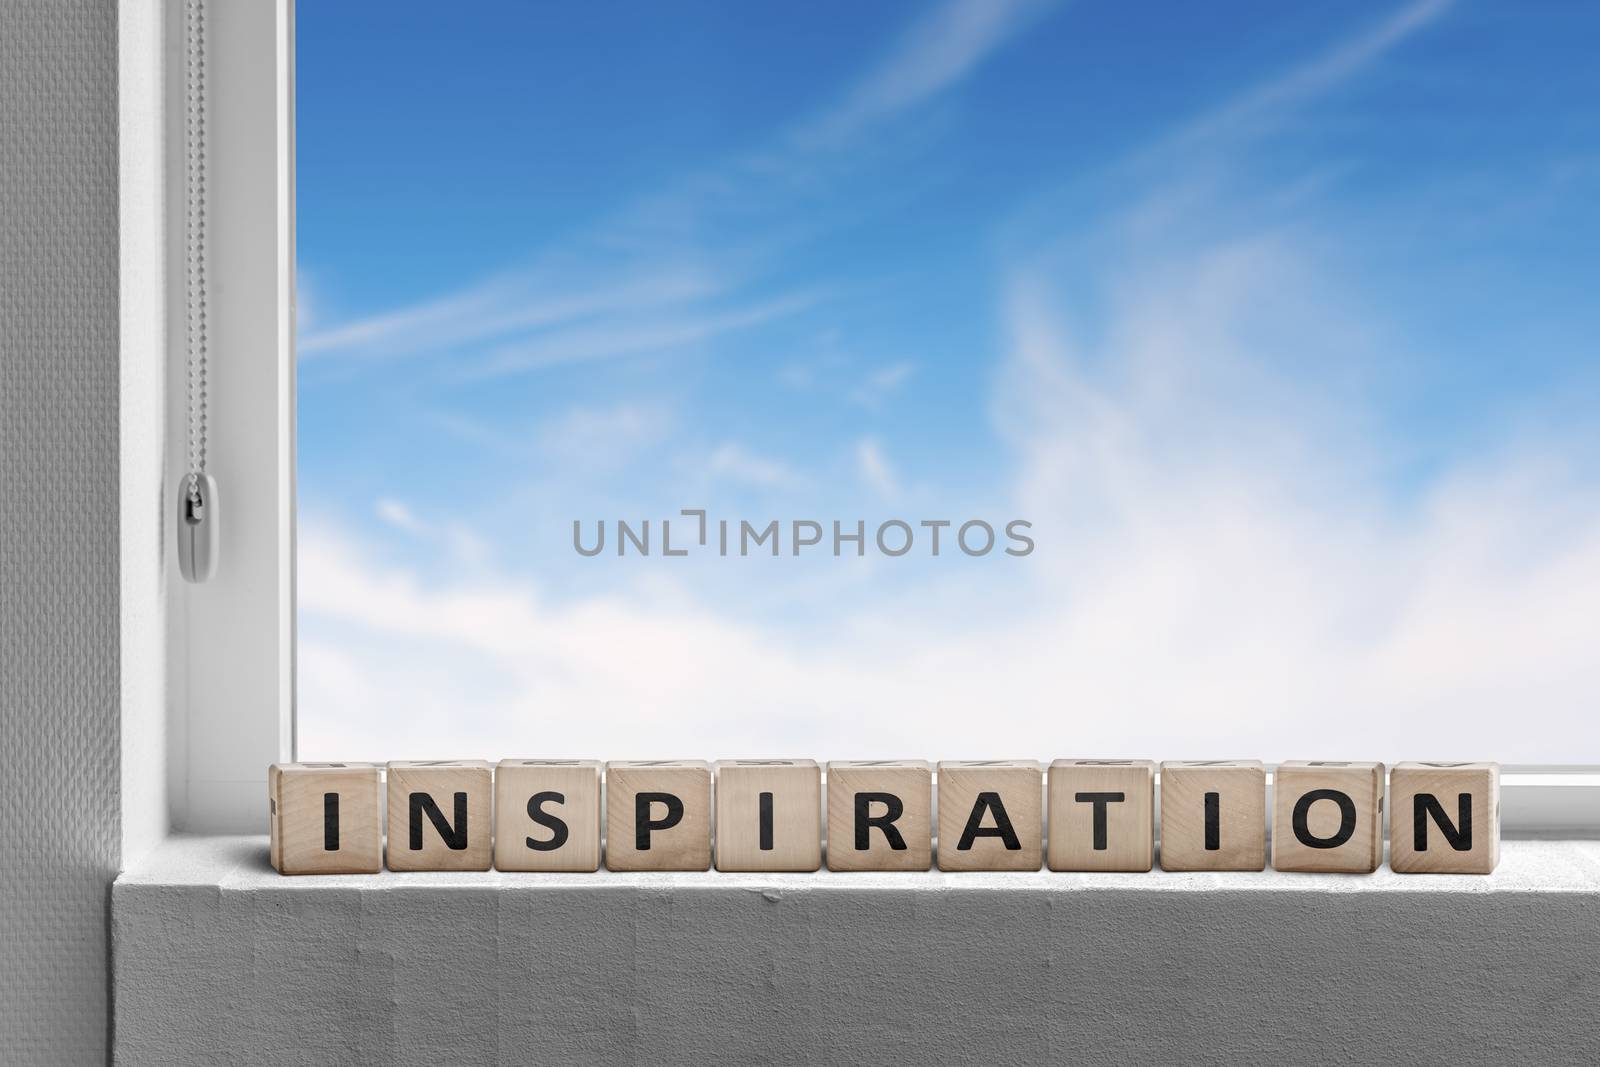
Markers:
point(232, 638)
point(229, 684)
point(224, 707)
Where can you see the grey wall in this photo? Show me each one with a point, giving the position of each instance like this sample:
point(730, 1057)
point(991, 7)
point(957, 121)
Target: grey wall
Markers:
point(58, 525)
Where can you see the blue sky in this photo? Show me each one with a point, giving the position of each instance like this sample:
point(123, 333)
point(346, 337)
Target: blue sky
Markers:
point(1275, 320)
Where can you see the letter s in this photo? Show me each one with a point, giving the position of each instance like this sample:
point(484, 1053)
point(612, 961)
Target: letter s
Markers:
point(1023, 539)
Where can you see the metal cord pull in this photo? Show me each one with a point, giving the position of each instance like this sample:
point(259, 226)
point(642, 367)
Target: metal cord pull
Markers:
point(197, 502)
point(197, 529)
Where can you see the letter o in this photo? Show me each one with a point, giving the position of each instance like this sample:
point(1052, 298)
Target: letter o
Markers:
point(1347, 818)
point(961, 537)
point(903, 548)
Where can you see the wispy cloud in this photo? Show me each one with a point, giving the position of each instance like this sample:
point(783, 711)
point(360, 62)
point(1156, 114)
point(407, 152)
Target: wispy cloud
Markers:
point(1324, 72)
point(582, 437)
point(934, 55)
point(875, 468)
point(462, 544)
point(604, 435)
point(1221, 569)
point(881, 383)
point(1188, 178)
point(1224, 565)
point(532, 301)
point(651, 335)
point(398, 515)
point(734, 462)
point(654, 264)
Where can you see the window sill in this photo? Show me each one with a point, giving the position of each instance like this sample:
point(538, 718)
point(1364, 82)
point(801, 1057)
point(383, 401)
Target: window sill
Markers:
point(240, 864)
point(218, 957)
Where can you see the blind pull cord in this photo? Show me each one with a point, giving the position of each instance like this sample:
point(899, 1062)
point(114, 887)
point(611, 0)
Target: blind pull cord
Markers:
point(197, 502)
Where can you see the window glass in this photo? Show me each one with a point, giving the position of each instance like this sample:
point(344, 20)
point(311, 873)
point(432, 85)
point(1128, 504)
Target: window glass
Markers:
point(976, 378)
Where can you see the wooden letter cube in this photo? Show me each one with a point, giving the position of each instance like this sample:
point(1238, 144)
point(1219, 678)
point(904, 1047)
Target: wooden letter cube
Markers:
point(769, 815)
point(880, 815)
point(325, 817)
point(1327, 816)
point(990, 815)
point(658, 815)
point(1213, 815)
point(439, 815)
point(547, 815)
point(1444, 818)
point(1102, 815)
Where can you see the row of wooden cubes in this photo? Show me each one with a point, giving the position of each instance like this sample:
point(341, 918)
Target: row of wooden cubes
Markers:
point(545, 815)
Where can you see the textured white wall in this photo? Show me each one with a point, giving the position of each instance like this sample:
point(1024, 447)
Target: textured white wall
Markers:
point(220, 960)
point(59, 759)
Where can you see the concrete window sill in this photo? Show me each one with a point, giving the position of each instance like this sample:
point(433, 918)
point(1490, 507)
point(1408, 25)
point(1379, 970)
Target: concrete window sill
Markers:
point(219, 959)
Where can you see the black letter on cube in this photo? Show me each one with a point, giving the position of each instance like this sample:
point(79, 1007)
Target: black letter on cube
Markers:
point(643, 825)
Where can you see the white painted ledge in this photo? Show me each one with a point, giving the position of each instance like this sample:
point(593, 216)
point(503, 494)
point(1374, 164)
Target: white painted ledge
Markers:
point(240, 864)
point(220, 960)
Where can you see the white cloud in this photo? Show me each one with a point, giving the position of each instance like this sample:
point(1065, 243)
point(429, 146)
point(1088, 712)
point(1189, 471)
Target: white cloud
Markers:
point(530, 321)
point(581, 440)
point(398, 515)
point(607, 436)
point(881, 383)
point(518, 303)
point(1220, 571)
point(648, 279)
point(875, 468)
point(935, 54)
point(463, 544)
point(1223, 565)
point(737, 463)
point(1329, 69)
point(655, 334)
